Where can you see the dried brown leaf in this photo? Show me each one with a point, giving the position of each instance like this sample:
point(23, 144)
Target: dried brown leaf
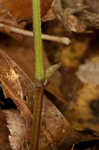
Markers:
point(16, 126)
point(4, 142)
point(54, 128)
point(19, 13)
point(15, 12)
point(11, 82)
point(77, 16)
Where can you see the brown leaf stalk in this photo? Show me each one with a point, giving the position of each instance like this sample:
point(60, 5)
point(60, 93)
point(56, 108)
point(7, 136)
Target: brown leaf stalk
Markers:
point(37, 109)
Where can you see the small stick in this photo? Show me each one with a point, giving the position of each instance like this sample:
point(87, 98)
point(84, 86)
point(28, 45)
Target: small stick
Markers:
point(62, 40)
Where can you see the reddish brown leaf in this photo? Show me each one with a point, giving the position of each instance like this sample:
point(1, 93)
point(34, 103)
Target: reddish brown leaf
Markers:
point(19, 13)
point(4, 142)
point(54, 128)
point(11, 78)
point(53, 123)
point(21, 10)
point(24, 57)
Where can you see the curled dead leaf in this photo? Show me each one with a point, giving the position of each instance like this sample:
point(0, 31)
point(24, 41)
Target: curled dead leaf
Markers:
point(54, 127)
point(13, 81)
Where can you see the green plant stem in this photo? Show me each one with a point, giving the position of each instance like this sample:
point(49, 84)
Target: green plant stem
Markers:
point(39, 73)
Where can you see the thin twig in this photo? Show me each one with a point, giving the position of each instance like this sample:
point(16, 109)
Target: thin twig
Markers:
point(62, 40)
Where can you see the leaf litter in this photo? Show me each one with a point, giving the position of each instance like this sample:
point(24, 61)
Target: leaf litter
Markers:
point(58, 130)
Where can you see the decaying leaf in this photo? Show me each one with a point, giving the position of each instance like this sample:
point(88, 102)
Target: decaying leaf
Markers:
point(77, 16)
point(4, 142)
point(82, 94)
point(10, 76)
point(53, 122)
point(93, 5)
point(53, 128)
point(72, 56)
point(19, 13)
point(49, 16)
point(16, 126)
point(89, 73)
point(27, 63)
point(22, 11)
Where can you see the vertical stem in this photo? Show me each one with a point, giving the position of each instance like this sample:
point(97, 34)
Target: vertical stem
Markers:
point(38, 96)
point(39, 73)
